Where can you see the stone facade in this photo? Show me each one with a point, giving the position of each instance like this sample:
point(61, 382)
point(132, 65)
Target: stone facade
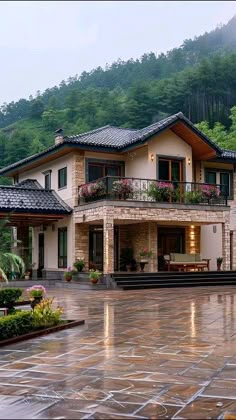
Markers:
point(146, 212)
point(226, 245)
point(82, 243)
point(78, 174)
point(139, 227)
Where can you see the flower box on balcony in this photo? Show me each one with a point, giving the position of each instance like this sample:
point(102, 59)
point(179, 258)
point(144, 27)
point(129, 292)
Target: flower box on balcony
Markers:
point(160, 190)
point(122, 188)
point(92, 190)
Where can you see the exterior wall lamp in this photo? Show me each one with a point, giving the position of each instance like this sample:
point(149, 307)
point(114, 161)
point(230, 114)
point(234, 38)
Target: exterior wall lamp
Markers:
point(189, 161)
point(152, 157)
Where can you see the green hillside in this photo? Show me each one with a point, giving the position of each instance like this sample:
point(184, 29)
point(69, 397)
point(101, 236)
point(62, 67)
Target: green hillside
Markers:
point(198, 78)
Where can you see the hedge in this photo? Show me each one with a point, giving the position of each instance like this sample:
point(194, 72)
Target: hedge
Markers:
point(9, 296)
point(16, 324)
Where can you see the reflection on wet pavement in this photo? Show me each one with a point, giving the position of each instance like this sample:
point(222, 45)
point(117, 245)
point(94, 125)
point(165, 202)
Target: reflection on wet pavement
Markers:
point(167, 353)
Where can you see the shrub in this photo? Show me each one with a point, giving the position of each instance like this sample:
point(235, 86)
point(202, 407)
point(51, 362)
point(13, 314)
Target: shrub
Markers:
point(16, 324)
point(45, 316)
point(9, 296)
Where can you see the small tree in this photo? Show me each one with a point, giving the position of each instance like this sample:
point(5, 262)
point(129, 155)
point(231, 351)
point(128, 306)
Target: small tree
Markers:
point(8, 261)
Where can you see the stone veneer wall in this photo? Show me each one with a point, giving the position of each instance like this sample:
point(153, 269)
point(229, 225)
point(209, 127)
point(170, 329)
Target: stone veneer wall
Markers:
point(82, 243)
point(139, 236)
point(78, 174)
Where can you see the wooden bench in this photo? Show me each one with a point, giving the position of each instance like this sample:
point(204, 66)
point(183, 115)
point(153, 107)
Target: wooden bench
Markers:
point(186, 262)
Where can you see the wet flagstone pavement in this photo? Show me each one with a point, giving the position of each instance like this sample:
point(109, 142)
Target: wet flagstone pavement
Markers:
point(156, 354)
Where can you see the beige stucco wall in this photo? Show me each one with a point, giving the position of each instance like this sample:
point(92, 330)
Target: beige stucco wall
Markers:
point(51, 244)
point(139, 164)
point(211, 243)
point(37, 173)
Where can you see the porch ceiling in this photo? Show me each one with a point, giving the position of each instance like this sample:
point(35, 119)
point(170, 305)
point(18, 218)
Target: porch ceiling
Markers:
point(29, 219)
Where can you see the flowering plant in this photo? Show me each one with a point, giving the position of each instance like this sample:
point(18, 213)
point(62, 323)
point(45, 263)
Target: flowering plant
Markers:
point(94, 274)
point(92, 189)
point(69, 272)
point(160, 190)
point(146, 253)
point(36, 291)
point(122, 186)
point(45, 316)
point(210, 191)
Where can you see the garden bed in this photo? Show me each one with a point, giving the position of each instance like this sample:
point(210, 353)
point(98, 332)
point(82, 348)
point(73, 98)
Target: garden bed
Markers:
point(64, 325)
point(22, 303)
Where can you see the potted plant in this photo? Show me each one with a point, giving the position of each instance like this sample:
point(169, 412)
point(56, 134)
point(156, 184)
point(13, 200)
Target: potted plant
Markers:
point(36, 294)
point(160, 190)
point(79, 264)
point(210, 191)
point(145, 254)
point(94, 275)
point(219, 261)
point(68, 274)
point(27, 275)
point(122, 188)
point(92, 190)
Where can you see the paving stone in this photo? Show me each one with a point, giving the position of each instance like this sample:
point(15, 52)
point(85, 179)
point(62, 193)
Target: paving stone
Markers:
point(165, 353)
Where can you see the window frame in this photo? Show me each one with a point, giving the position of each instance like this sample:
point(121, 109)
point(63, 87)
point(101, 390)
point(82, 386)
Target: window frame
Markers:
point(170, 159)
point(220, 171)
point(63, 257)
point(60, 187)
point(47, 174)
point(104, 163)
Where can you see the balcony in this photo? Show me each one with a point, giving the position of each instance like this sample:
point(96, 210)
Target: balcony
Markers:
point(150, 190)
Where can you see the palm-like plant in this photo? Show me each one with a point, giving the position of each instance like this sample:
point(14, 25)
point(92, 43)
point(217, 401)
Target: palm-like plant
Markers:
point(8, 261)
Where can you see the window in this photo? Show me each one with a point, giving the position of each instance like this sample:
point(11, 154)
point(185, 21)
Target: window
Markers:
point(222, 177)
point(47, 180)
point(100, 169)
point(62, 178)
point(62, 247)
point(170, 169)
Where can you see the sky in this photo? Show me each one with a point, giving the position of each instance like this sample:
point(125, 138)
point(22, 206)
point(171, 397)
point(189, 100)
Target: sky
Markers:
point(45, 42)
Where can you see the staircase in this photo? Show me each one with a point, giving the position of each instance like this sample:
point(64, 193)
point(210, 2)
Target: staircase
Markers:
point(131, 281)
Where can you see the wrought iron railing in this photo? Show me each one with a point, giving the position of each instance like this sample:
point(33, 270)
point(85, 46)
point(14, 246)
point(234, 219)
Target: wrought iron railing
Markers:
point(150, 190)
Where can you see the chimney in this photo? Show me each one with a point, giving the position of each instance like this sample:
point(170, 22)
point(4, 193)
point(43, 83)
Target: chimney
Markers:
point(59, 136)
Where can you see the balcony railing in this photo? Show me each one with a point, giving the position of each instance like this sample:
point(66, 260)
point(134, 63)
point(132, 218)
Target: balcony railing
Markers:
point(150, 190)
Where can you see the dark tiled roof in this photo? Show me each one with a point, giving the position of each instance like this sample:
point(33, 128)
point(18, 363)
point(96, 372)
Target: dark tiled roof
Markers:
point(117, 139)
point(29, 196)
point(228, 154)
point(29, 183)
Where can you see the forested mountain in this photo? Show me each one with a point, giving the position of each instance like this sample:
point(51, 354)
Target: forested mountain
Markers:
point(198, 78)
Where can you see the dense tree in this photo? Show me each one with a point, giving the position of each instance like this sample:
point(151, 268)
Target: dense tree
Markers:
point(198, 78)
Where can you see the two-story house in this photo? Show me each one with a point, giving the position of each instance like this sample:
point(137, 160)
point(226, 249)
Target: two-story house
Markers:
point(166, 187)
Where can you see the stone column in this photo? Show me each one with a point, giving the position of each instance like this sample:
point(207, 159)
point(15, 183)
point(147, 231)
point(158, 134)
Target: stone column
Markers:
point(82, 243)
point(108, 245)
point(78, 175)
point(23, 245)
point(152, 233)
point(234, 251)
point(226, 245)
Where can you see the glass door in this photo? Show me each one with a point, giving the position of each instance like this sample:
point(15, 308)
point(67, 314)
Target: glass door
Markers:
point(170, 170)
point(96, 248)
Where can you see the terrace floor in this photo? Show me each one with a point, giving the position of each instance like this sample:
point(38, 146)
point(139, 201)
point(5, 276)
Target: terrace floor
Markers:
point(163, 353)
